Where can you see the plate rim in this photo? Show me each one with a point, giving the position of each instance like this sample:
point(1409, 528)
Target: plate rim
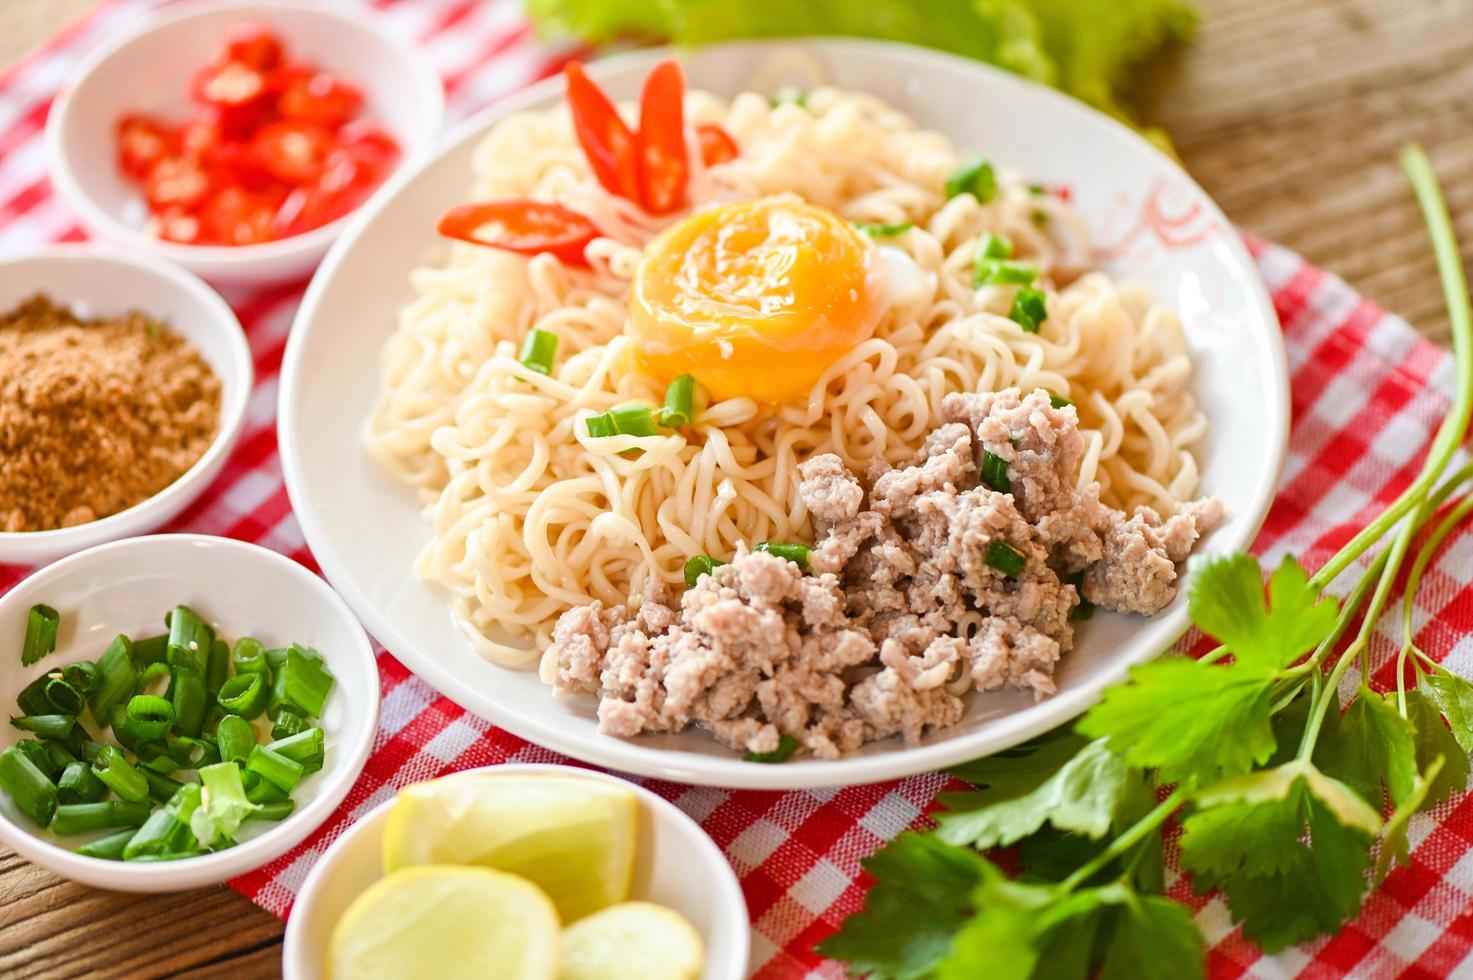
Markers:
point(627, 755)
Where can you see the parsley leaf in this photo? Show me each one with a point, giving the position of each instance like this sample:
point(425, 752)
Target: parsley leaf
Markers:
point(1454, 698)
point(1373, 745)
point(1394, 840)
point(1434, 741)
point(1064, 780)
point(1225, 598)
point(1154, 938)
point(1194, 722)
point(1246, 838)
point(921, 897)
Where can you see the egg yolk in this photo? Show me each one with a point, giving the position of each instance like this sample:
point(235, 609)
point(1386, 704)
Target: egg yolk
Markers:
point(754, 299)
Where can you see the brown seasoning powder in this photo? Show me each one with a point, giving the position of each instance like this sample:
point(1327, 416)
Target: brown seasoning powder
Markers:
point(95, 416)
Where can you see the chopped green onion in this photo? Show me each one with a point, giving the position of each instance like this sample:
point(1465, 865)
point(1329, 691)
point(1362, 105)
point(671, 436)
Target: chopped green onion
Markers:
point(166, 832)
point(60, 752)
point(626, 420)
point(244, 695)
point(786, 746)
point(148, 717)
point(153, 650)
point(1058, 401)
point(213, 714)
point(1002, 272)
point(153, 673)
point(275, 768)
point(995, 473)
point(47, 726)
point(81, 675)
point(1028, 309)
point(789, 95)
point(78, 784)
point(236, 738)
point(680, 402)
point(32, 699)
point(189, 639)
point(109, 848)
point(160, 761)
point(41, 623)
point(40, 758)
point(114, 769)
point(538, 350)
point(117, 678)
point(880, 230)
point(64, 698)
point(994, 247)
point(976, 177)
point(191, 753)
point(276, 656)
point(160, 787)
point(698, 565)
point(117, 718)
point(223, 804)
point(218, 666)
point(1037, 190)
point(190, 699)
point(303, 683)
point(249, 656)
point(306, 747)
point(30, 790)
point(792, 552)
point(259, 790)
point(81, 818)
point(1005, 558)
point(289, 722)
point(274, 810)
point(600, 426)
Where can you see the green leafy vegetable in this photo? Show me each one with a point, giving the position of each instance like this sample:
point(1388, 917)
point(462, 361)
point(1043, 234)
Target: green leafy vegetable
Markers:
point(1375, 744)
point(1225, 598)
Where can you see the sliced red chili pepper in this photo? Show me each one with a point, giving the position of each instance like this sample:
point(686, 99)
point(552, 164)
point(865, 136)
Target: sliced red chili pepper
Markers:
point(322, 99)
point(142, 142)
point(231, 83)
point(606, 140)
point(235, 216)
point(371, 145)
point(524, 226)
point(664, 168)
point(255, 45)
point(174, 224)
point(717, 146)
point(175, 181)
point(293, 151)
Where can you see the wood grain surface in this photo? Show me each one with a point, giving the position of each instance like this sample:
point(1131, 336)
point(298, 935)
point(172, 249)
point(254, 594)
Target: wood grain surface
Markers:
point(1289, 112)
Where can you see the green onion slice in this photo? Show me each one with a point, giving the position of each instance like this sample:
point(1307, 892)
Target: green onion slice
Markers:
point(82, 675)
point(64, 698)
point(244, 695)
point(148, 717)
point(994, 246)
point(27, 786)
point(792, 552)
point(698, 565)
point(1005, 558)
point(538, 350)
point(1028, 309)
point(114, 769)
point(680, 402)
point(995, 473)
point(47, 726)
point(786, 746)
point(881, 230)
point(976, 177)
point(41, 623)
point(1058, 401)
point(1002, 272)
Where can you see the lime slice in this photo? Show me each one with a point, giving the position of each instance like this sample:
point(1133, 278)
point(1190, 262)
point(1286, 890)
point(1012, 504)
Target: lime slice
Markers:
point(631, 941)
point(447, 923)
point(572, 837)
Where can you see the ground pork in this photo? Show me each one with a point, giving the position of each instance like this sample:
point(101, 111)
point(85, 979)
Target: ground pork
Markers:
point(904, 607)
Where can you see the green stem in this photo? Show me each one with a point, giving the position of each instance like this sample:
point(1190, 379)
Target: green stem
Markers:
point(1429, 548)
point(1134, 835)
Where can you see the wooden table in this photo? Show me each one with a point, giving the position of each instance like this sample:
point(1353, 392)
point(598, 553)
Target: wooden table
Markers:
point(1289, 112)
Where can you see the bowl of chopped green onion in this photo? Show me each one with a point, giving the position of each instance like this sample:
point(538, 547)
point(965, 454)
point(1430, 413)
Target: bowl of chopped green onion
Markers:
point(182, 709)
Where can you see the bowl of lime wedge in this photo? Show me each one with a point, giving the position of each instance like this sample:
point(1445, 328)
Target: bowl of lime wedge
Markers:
point(522, 872)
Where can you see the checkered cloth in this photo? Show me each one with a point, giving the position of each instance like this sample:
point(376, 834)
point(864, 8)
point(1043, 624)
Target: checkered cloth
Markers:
point(1367, 395)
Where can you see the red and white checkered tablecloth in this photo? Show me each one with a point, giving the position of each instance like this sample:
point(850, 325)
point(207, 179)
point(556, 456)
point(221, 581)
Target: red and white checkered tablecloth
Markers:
point(1367, 394)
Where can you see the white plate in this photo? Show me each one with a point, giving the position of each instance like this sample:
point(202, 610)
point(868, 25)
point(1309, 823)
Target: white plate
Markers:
point(675, 864)
point(366, 530)
point(102, 280)
point(241, 590)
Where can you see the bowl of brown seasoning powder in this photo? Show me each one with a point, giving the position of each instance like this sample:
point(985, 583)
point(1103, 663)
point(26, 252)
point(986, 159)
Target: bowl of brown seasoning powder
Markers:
point(123, 388)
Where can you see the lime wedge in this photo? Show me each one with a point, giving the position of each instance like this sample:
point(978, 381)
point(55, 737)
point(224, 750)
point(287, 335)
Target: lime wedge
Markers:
point(631, 941)
point(572, 837)
point(447, 923)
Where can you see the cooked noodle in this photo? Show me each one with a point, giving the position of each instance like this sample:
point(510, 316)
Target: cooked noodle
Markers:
point(530, 517)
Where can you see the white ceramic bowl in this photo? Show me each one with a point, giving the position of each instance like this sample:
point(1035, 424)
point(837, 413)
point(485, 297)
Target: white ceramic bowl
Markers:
point(367, 530)
point(675, 864)
point(240, 589)
point(147, 69)
point(95, 280)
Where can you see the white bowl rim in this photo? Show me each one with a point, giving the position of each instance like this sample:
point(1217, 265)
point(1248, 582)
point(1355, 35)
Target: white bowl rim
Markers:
point(208, 869)
point(222, 259)
point(188, 486)
point(628, 755)
point(730, 900)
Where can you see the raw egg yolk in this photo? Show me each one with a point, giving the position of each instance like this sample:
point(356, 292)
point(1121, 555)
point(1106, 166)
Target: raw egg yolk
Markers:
point(755, 299)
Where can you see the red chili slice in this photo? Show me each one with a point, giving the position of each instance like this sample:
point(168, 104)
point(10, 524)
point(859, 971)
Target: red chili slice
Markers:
point(176, 182)
point(235, 216)
point(255, 45)
point(606, 140)
point(322, 99)
point(142, 142)
point(293, 151)
point(664, 168)
point(230, 83)
point(717, 146)
point(524, 226)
